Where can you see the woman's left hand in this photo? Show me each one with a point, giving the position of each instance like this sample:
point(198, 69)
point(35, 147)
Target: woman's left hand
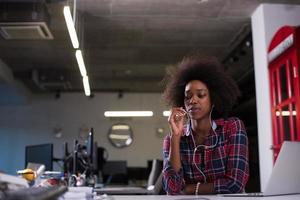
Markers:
point(176, 121)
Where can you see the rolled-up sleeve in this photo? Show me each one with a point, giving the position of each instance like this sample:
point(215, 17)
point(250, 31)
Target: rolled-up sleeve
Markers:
point(237, 169)
point(173, 182)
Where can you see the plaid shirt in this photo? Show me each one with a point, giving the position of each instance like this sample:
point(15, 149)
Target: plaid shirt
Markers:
point(224, 161)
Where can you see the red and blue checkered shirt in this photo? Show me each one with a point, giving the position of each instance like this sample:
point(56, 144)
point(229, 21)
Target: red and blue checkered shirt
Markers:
point(224, 160)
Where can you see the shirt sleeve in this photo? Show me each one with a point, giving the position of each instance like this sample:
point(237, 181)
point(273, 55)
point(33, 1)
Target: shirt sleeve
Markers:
point(237, 172)
point(173, 182)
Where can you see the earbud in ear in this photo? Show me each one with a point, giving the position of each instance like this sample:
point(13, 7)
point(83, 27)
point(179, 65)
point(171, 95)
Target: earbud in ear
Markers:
point(214, 125)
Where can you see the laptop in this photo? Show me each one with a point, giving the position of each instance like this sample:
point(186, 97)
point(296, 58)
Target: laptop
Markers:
point(285, 176)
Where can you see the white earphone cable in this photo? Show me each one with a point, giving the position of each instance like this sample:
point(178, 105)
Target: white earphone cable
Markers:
point(213, 126)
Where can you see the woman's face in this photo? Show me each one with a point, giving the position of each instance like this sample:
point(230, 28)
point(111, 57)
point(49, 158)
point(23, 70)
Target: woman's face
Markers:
point(197, 100)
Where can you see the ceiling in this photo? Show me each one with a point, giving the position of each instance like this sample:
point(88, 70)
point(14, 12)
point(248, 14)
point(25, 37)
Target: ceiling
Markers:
point(126, 44)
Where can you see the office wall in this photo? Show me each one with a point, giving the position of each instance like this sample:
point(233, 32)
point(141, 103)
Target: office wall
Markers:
point(34, 123)
point(266, 20)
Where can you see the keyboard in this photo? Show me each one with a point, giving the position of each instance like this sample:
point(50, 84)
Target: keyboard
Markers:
point(35, 193)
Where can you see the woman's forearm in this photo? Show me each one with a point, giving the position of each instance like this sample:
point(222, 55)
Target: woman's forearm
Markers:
point(174, 156)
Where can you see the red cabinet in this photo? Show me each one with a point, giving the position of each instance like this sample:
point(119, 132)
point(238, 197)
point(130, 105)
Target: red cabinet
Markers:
point(284, 59)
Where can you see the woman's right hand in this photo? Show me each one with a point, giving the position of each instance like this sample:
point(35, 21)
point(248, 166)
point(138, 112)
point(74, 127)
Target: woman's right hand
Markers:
point(176, 122)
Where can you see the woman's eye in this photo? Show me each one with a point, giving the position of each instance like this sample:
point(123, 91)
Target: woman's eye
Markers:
point(201, 95)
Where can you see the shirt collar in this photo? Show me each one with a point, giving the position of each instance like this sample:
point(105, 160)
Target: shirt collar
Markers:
point(188, 127)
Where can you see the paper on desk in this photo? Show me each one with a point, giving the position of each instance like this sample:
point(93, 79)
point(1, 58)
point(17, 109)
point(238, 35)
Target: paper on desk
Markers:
point(81, 189)
point(79, 193)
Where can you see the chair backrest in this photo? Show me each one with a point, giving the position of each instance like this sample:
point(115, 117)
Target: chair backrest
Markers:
point(155, 177)
point(156, 169)
point(158, 187)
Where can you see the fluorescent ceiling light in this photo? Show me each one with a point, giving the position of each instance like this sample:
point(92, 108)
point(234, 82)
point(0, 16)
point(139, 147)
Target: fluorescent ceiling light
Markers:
point(128, 113)
point(80, 62)
point(119, 137)
point(86, 85)
point(120, 127)
point(71, 27)
point(166, 113)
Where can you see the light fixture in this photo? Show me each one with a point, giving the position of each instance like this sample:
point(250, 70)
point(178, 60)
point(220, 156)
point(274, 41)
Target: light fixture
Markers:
point(120, 127)
point(80, 62)
point(71, 27)
point(128, 113)
point(166, 113)
point(86, 85)
point(78, 54)
point(285, 113)
point(119, 137)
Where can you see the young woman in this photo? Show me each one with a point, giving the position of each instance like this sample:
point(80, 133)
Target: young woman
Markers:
point(208, 152)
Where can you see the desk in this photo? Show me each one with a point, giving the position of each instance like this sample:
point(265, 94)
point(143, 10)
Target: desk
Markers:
point(200, 197)
point(83, 193)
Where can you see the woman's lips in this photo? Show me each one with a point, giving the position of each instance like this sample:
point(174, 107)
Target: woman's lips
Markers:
point(193, 110)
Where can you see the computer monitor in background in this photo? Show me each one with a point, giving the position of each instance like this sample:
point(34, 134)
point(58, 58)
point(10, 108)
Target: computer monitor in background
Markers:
point(42, 154)
point(102, 157)
point(115, 172)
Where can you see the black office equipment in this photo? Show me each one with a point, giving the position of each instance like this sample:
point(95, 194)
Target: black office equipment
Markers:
point(83, 158)
point(75, 155)
point(102, 155)
point(92, 152)
point(90, 144)
point(42, 154)
point(94, 162)
point(115, 172)
point(35, 193)
point(67, 159)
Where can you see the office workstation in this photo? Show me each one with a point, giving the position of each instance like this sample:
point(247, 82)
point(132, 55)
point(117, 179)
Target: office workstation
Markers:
point(49, 110)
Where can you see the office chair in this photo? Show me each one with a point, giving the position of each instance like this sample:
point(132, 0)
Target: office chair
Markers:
point(156, 169)
point(158, 187)
point(155, 177)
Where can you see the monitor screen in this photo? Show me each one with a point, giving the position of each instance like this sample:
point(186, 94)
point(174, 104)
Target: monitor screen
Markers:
point(115, 172)
point(115, 167)
point(42, 154)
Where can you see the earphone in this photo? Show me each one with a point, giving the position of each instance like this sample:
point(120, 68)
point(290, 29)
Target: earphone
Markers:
point(214, 127)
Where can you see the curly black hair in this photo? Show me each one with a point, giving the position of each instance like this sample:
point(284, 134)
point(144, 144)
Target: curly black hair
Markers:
point(223, 89)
